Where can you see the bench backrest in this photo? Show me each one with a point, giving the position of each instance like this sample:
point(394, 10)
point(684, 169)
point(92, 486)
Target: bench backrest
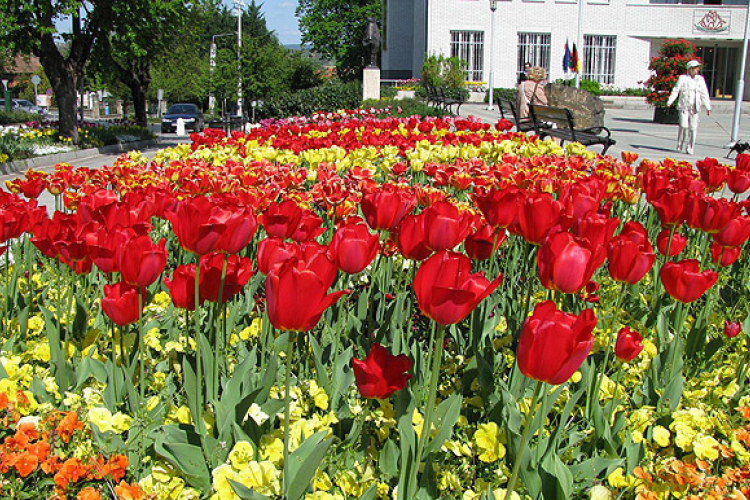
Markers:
point(507, 109)
point(559, 116)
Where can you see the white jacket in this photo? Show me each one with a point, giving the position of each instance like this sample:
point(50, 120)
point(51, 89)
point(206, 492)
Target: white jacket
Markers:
point(693, 94)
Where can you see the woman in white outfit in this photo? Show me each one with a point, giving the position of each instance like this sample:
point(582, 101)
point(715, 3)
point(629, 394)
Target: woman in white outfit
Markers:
point(693, 94)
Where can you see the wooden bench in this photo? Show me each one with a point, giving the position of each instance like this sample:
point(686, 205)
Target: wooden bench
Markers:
point(509, 112)
point(558, 122)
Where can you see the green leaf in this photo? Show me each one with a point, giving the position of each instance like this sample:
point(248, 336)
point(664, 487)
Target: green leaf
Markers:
point(180, 445)
point(304, 462)
point(245, 493)
point(370, 493)
point(559, 475)
point(446, 416)
point(388, 460)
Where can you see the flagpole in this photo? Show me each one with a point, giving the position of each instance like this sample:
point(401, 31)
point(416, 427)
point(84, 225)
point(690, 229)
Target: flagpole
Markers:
point(578, 40)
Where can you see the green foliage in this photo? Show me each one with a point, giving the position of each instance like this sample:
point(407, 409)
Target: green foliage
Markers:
point(329, 97)
point(404, 107)
point(335, 29)
point(9, 118)
point(502, 92)
point(447, 73)
point(105, 136)
point(666, 67)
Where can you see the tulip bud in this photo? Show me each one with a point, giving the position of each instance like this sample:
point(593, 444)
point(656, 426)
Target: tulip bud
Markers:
point(732, 328)
point(629, 344)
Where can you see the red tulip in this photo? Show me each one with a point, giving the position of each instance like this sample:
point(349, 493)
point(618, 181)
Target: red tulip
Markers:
point(445, 225)
point(120, 302)
point(296, 294)
point(629, 344)
point(479, 245)
point(353, 247)
point(565, 263)
point(684, 281)
point(104, 245)
point(628, 157)
point(728, 255)
point(411, 238)
point(499, 206)
point(182, 287)
point(239, 271)
point(141, 260)
point(273, 251)
point(738, 180)
point(669, 205)
point(554, 344)
point(735, 233)
point(630, 254)
point(281, 220)
point(676, 246)
point(309, 227)
point(447, 291)
point(381, 374)
point(199, 224)
point(732, 329)
point(537, 214)
point(713, 173)
point(384, 209)
point(708, 214)
point(240, 229)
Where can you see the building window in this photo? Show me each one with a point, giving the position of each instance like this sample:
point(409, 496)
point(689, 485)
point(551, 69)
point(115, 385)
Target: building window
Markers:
point(533, 48)
point(469, 47)
point(599, 58)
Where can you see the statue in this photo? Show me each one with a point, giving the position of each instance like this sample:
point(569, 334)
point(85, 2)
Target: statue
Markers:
point(371, 40)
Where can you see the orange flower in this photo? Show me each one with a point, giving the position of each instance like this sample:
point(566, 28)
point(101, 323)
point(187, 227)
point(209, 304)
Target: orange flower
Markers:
point(88, 493)
point(3, 401)
point(115, 467)
point(125, 491)
point(40, 449)
point(72, 470)
point(68, 426)
point(26, 463)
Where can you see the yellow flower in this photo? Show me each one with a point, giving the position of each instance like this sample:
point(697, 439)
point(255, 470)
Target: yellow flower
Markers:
point(617, 479)
point(320, 398)
point(241, 454)
point(252, 331)
point(600, 492)
point(221, 475)
point(102, 418)
point(448, 481)
point(706, 447)
point(321, 481)
point(487, 440)
point(271, 448)
point(121, 422)
point(263, 477)
point(661, 436)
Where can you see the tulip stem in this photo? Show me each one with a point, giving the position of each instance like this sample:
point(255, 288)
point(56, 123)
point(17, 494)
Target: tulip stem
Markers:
point(524, 441)
point(287, 404)
point(220, 330)
point(436, 356)
point(141, 347)
point(657, 293)
point(198, 362)
point(608, 351)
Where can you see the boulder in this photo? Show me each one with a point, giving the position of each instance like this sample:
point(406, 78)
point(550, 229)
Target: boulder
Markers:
point(587, 109)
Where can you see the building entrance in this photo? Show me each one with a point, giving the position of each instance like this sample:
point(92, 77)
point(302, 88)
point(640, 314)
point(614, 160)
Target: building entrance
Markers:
point(720, 69)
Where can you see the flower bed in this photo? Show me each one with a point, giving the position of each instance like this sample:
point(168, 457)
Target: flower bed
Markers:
point(286, 313)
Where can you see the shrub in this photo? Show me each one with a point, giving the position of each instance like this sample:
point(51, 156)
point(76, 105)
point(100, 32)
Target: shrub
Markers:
point(667, 66)
point(13, 117)
point(328, 97)
point(509, 94)
point(447, 73)
point(404, 107)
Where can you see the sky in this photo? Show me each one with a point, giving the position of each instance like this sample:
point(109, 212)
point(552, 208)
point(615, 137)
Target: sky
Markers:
point(280, 18)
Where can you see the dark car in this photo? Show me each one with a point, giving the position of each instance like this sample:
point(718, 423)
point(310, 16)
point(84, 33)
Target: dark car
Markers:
point(188, 112)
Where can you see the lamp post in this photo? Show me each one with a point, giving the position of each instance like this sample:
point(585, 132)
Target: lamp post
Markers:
point(239, 5)
point(740, 85)
point(211, 67)
point(493, 8)
point(579, 38)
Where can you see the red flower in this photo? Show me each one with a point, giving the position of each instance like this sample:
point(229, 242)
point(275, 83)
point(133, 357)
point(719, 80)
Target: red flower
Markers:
point(199, 224)
point(499, 206)
point(182, 287)
point(684, 281)
point(141, 260)
point(309, 227)
point(738, 180)
point(411, 238)
point(735, 233)
point(713, 173)
point(728, 255)
point(630, 254)
point(629, 344)
point(445, 225)
point(120, 302)
point(384, 209)
point(732, 329)
point(447, 291)
point(537, 214)
point(565, 263)
point(554, 344)
point(239, 271)
point(353, 247)
point(479, 245)
point(676, 246)
point(296, 293)
point(274, 251)
point(381, 374)
point(669, 205)
point(709, 214)
point(281, 220)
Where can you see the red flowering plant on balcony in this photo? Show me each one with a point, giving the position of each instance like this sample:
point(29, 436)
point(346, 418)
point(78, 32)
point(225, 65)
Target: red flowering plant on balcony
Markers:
point(667, 67)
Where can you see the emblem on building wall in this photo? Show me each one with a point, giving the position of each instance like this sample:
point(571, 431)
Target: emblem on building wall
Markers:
point(711, 21)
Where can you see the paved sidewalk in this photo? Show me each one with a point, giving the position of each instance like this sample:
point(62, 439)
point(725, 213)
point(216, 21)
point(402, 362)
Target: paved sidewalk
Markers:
point(634, 130)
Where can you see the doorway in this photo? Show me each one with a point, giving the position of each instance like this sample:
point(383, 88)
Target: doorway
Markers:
point(719, 69)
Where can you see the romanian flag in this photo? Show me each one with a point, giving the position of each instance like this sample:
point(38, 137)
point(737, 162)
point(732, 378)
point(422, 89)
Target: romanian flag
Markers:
point(566, 58)
point(575, 61)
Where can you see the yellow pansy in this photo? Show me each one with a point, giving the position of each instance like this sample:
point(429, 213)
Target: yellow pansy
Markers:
point(263, 477)
point(487, 440)
point(661, 436)
point(242, 453)
point(102, 418)
point(706, 447)
point(121, 422)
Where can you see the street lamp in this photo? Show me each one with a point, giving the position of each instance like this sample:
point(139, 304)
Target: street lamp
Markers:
point(239, 5)
point(212, 65)
point(740, 85)
point(493, 8)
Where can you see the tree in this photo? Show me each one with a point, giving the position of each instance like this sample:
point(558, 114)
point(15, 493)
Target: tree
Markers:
point(142, 31)
point(30, 27)
point(335, 29)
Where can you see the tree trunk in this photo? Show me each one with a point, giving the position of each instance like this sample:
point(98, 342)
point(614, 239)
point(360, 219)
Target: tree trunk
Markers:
point(138, 91)
point(63, 78)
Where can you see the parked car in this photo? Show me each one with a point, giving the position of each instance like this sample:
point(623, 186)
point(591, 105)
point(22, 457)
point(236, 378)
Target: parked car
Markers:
point(188, 112)
point(22, 105)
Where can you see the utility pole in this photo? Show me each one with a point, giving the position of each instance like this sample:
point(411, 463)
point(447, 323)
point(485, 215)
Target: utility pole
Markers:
point(239, 5)
point(212, 67)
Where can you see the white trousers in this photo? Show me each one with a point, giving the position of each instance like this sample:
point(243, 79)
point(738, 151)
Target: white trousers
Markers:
point(688, 129)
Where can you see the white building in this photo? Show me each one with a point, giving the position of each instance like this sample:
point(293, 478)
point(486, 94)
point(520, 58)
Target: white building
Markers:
point(619, 37)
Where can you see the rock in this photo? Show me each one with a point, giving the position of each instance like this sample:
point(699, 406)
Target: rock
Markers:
point(587, 109)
